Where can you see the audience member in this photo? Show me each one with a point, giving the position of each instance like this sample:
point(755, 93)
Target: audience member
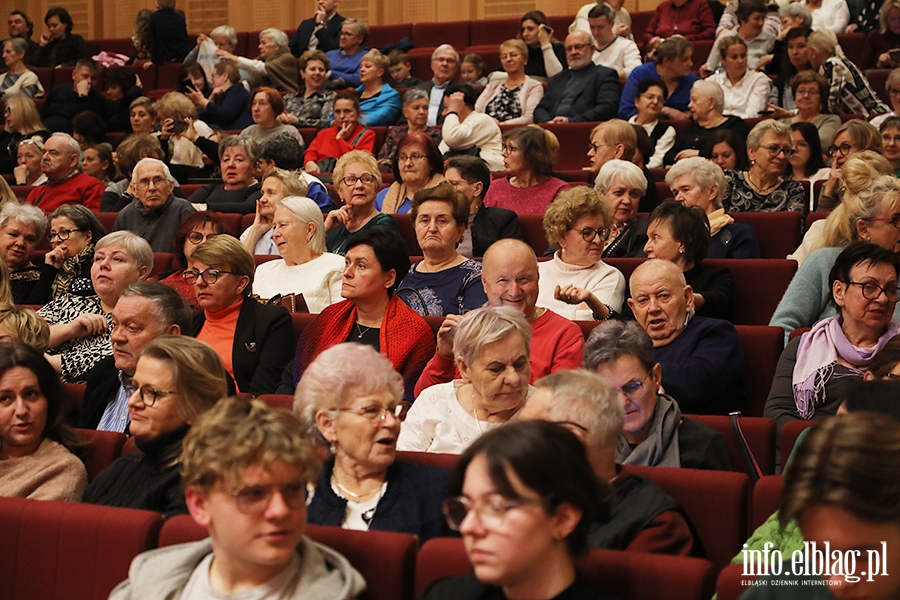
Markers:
point(20, 325)
point(65, 101)
point(546, 56)
point(674, 59)
point(239, 189)
point(415, 111)
point(347, 135)
point(235, 458)
point(97, 162)
point(223, 36)
point(701, 358)
point(622, 184)
point(312, 106)
point(444, 67)
point(490, 349)
point(417, 164)
point(265, 108)
point(510, 277)
point(282, 151)
point(322, 31)
point(707, 104)
point(610, 140)
point(529, 187)
point(623, 18)
point(226, 106)
point(444, 282)
point(500, 477)
point(306, 268)
point(700, 182)
point(890, 141)
point(191, 77)
point(831, 16)
point(650, 98)
point(275, 67)
point(577, 283)
point(59, 47)
point(467, 132)
point(654, 433)
point(584, 91)
point(65, 184)
point(193, 231)
point(611, 50)
point(400, 70)
point(18, 25)
point(89, 129)
point(349, 399)
point(21, 227)
point(852, 137)
point(176, 379)
point(794, 59)
point(372, 314)
point(746, 91)
point(37, 446)
point(849, 91)
point(345, 60)
point(691, 19)
point(169, 36)
point(142, 115)
point(757, 42)
point(155, 213)
point(145, 311)
point(471, 176)
point(728, 150)
point(129, 152)
point(379, 102)
point(255, 341)
point(180, 128)
point(882, 40)
point(472, 70)
point(18, 78)
point(763, 186)
point(815, 366)
point(79, 324)
point(511, 100)
point(810, 92)
point(22, 122)
point(808, 162)
point(122, 89)
point(277, 184)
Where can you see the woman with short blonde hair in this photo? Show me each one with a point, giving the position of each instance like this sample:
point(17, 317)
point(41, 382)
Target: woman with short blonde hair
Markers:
point(511, 100)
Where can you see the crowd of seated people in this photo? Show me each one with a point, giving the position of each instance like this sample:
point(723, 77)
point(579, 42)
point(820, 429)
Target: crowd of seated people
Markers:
point(324, 178)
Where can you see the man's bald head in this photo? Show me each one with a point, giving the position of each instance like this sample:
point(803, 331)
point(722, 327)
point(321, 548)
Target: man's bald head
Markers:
point(510, 276)
point(660, 300)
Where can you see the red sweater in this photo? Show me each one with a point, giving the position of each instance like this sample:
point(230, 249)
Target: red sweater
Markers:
point(328, 144)
point(693, 20)
point(77, 189)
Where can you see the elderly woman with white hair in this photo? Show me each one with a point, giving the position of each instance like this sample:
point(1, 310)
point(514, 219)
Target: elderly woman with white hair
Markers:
point(350, 400)
point(80, 326)
point(21, 228)
point(655, 434)
point(706, 106)
point(491, 350)
point(305, 268)
point(623, 184)
point(700, 182)
point(276, 66)
point(18, 78)
point(763, 188)
point(849, 93)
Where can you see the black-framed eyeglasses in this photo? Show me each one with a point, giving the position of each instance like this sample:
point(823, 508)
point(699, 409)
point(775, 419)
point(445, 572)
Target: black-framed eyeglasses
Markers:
point(589, 233)
point(490, 508)
point(844, 149)
point(374, 412)
point(366, 178)
point(210, 276)
point(149, 394)
point(872, 291)
point(197, 237)
point(774, 150)
point(254, 499)
point(62, 234)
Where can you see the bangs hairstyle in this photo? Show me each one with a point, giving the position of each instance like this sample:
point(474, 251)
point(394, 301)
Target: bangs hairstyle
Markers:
point(547, 459)
point(84, 219)
point(197, 371)
point(26, 215)
point(389, 249)
point(290, 182)
point(237, 434)
point(863, 134)
point(432, 154)
point(487, 325)
point(689, 226)
point(569, 206)
point(196, 220)
point(584, 398)
point(851, 462)
point(337, 377)
point(135, 245)
point(273, 96)
point(226, 252)
point(856, 254)
point(318, 55)
point(306, 211)
point(25, 324)
point(362, 157)
point(135, 147)
point(611, 340)
point(443, 192)
point(620, 170)
point(705, 174)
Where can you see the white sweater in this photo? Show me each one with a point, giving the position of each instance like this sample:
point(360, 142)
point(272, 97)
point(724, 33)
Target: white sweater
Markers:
point(606, 283)
point(478, 130)
point(319, 280)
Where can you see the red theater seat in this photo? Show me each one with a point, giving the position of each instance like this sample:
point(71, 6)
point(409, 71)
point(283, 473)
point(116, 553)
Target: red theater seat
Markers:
point(232, 223)
point(493, 31)
point(759, 433)
point(163, 262)
point(762, 346)
point(300, 321)
point(625, 575)
point(283, 401)
point(434, 459)
point(427, 34)
point(766, 499)
point(778, 233)
point(74, 390)
point(62, 550)
point(790, 431)
point(108, 220)
point(732, 583)
point(533, 230)
point(408, 232)
point(103, 448)
point(382, 35)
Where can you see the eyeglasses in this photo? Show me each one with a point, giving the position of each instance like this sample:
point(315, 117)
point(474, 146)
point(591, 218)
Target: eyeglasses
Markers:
point(589, 233)
point(844, 149)
point(62, 234)
point(254, 499)
point(157, 182)
point(596, 147)
point(633, 387)
point(449, 61)
point(373, 413)
point(149, 394)
point(508, 149)
point(890, 139)
point(774, 150)
point(402, 158)
point(197, 237)
point(577, 47)
point(210, 276)
point(809, 92)
point(871, 291)
point(490, 508)
point(894, 91)
point(366, 178)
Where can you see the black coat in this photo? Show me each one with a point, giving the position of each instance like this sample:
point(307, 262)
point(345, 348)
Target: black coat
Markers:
point(598, 99)
point(329, 36)
point(492, 224)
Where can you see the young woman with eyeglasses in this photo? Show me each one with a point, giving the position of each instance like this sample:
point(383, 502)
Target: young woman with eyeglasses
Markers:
point(176, 379)
point(576, 283)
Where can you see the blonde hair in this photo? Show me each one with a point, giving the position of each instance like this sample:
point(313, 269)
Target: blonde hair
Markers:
point(26, 325)
point(221, 250)
point(293, 185)
point(24, 114)
point(306, 211)
point(177, 106)
point(377, 58)
point(356, 156)
point(570, 206)
point(869, 186)
point(237, 434)
point(6, 297)
point(487, 325)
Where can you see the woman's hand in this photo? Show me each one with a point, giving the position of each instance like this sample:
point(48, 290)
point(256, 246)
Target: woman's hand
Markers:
point(196, 96)
point(337, 217)
point(653, 43)
point(56, 257)
point(346, 130)
point(764, 61)
point(21, 174)
point(201, 37)
point(311, 167)
point(165, 131)
point(705, 71)
point(226, 55)
point(622, 30)
point(261, 222)
point(544, 34)
point(571, 294)
point(686, 154)
point(884, 59)
point(778, 112)
point(674, 114)
point(833, 183)
point(445, 335)
point(88, 324)
point(190, 133)
point(287, 118)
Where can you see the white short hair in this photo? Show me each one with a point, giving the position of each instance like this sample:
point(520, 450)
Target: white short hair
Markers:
point(617, 169)
point(276, 36)
point(147, 161)
point(710, 89)
point(705, 173)
point(442, 48)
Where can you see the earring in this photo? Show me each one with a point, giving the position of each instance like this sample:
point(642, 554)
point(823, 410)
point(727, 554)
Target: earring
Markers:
point(333, 448)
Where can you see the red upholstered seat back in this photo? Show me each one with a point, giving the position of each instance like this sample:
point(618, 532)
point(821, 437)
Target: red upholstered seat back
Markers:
point(766, 499)
point(732, 583)
point(61, 550)
point(778, 233)
point(104, 447)
point(434, 459)
point(759, 433)
point(762, 346)
point(790, 431)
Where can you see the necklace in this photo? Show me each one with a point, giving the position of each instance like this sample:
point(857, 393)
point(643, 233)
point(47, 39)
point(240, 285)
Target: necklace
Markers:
point(760, 188)
point(360, 329)
point(347, 494)
point(367, 515)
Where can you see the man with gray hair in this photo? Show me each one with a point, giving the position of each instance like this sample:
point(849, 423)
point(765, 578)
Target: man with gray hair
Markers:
point(155, 213)
point(644, 518)
point(145, 311)
point(444, 66)
point(702, 360)
point(346, 59)
point(65, 183)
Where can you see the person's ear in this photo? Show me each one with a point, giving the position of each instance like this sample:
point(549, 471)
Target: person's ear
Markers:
point(631, 304)
point(869, 376)
point(197, 505)
point(620, 150)
point(463, 369)
point(326, 426)
point(713, 192)
point(173, 329)
point(656, 375)
point(838, 289)
point(243, 282)
point(566, 519)
point(689, 298)
point(310, 231)
point(862, 230)
point(143, 272)
point(389, 278)
point(478, 188)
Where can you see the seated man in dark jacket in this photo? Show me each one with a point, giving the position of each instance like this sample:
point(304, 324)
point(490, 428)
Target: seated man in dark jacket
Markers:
point(584, 91)
point(322, 31)
point(65, 101)
point(644, 518)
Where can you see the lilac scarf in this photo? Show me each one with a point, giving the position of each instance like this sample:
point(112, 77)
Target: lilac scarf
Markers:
point(817, 355)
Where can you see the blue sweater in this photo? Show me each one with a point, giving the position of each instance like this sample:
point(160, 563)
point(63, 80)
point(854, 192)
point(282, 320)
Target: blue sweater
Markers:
point(678, 99)
point(703, 369)
point(346, 67)
point(381, 109)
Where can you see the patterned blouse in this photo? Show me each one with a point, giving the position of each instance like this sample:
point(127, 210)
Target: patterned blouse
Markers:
point(741, 197)
point(506, 105)
point(315, 111)
point(79, 355)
